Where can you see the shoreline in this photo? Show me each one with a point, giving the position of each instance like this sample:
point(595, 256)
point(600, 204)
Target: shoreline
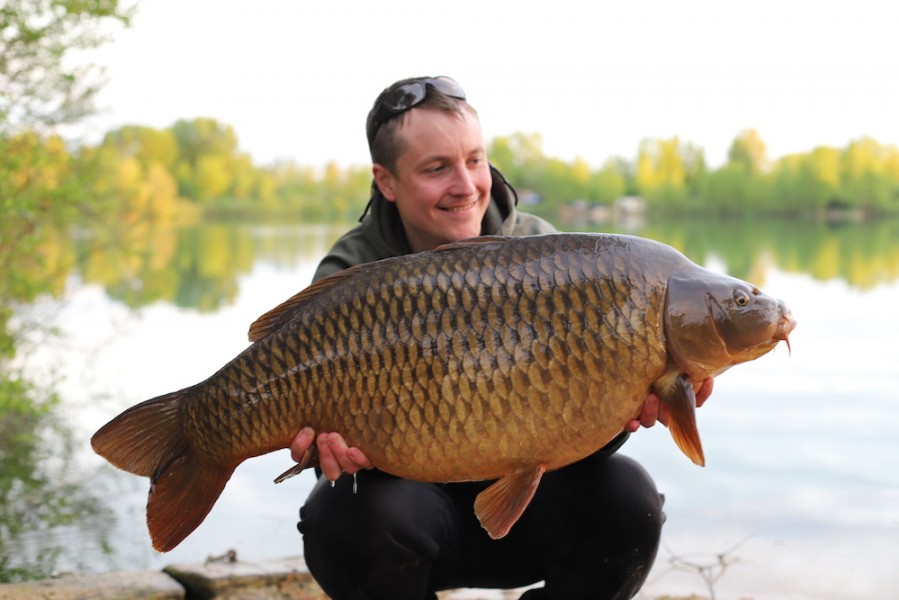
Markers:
point(223, 578)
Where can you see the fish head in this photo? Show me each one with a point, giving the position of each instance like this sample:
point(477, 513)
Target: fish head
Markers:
point(714, 321)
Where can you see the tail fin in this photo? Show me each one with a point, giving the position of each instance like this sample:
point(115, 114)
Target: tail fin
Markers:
point(148, 440)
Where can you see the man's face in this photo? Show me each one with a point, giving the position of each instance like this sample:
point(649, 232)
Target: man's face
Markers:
point(442, 182)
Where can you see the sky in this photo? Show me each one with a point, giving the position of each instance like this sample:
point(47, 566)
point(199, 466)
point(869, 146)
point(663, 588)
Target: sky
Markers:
point(295, 79)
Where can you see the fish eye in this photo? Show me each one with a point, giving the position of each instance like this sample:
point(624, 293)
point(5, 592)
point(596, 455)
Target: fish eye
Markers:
point(741, 298)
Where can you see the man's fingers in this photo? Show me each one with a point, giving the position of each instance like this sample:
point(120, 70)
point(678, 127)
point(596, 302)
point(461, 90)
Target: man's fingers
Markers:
point(650, 413)
point(359, 459)
point(301, 442)
point(704, 391)
point(327, 457)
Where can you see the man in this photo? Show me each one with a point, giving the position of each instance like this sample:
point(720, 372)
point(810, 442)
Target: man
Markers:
point(592, 529)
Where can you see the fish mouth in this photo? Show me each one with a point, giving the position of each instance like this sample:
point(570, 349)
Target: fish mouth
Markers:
point(782, 333)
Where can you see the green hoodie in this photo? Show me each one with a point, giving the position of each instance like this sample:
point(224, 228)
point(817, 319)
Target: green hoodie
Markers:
point(380, 232)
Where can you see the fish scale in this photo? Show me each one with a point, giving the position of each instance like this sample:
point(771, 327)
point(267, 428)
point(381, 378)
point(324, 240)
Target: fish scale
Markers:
point(495, 358)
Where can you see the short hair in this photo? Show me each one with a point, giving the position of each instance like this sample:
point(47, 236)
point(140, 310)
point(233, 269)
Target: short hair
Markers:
point(385, 143)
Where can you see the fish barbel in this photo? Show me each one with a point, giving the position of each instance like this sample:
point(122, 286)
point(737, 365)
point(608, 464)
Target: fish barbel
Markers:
point(490, 358)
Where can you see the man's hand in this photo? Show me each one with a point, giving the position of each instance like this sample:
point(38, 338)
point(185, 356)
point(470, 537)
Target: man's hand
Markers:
point(654, 411)
point(334, 456)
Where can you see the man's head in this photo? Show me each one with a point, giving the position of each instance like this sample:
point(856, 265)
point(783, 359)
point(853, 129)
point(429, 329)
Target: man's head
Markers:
point(389, 110)
point(429, 158)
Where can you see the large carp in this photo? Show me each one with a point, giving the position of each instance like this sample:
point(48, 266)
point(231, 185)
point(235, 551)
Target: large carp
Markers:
point(492, 358)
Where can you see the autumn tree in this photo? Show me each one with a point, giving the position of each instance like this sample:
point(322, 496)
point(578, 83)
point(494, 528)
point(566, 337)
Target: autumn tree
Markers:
point(865, 181)
point(669, 172)
point(146, 144)
point(40, 87)
point(808, 183)
point(749, 152)
point(742, 184)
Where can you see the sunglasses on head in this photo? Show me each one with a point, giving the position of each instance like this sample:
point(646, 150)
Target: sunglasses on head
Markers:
point(408, 95)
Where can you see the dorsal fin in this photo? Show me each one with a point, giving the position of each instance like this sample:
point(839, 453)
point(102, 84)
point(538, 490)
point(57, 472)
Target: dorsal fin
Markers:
point(277, 317)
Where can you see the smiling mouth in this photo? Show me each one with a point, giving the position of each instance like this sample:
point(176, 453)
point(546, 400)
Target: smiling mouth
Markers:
point(460, 208)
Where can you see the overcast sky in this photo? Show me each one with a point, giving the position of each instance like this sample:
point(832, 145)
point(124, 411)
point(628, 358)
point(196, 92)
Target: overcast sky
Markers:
point(296, 78)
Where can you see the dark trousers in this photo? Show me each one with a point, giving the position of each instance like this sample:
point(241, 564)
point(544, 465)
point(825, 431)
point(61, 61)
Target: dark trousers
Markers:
point(591, 531)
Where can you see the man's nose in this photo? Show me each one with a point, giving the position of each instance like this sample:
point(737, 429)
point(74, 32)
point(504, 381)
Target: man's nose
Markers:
point(463, 182)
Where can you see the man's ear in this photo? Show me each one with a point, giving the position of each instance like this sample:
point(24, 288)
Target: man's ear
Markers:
point(385, 181)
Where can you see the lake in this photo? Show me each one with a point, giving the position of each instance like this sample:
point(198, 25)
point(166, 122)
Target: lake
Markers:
point(799, 498)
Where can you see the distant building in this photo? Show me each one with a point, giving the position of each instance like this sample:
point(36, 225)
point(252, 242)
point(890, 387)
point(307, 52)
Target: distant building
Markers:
point(630, 205)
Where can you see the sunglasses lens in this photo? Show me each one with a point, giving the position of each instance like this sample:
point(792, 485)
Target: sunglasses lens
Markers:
point(405, 97)
point(410, 94)
point(448, 86)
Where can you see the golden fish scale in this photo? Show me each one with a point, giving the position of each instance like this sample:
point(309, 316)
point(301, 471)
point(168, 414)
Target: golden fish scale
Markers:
point(472, 361)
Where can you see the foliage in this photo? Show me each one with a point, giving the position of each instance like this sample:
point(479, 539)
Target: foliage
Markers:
point(38, 88)
point(44, 195)
point(669, 172)
point(35, 197)
point(858, 181)
point(37, 495)
point(748, 151)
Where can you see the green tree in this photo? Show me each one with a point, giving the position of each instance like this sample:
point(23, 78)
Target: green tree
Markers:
point(742, 184)
point(207, 150)
point(669, 172)
point(610, 182)
point(520, 157)
point(724, 189)
point(39, 87)
point(808, 183)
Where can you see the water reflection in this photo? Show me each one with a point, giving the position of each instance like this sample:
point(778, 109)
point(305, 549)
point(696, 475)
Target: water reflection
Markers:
point(193, 266)
point(42, 490)
point(861, 254)
point(198, 266)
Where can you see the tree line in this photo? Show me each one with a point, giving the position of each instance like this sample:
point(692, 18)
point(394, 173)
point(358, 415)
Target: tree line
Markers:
point(672, 176)
point(195, 167)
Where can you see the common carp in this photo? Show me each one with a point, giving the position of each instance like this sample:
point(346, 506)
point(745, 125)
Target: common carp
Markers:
point(490, 358)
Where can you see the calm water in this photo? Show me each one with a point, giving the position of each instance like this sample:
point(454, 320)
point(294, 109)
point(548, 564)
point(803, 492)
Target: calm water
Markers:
point(800, 496)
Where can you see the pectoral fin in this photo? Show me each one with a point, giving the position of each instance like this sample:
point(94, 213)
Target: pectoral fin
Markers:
point(310, 459)
point(676, 392)
point(500, 505)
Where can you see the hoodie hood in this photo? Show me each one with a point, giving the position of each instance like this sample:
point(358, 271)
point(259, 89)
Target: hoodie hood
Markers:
point(380, 232)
